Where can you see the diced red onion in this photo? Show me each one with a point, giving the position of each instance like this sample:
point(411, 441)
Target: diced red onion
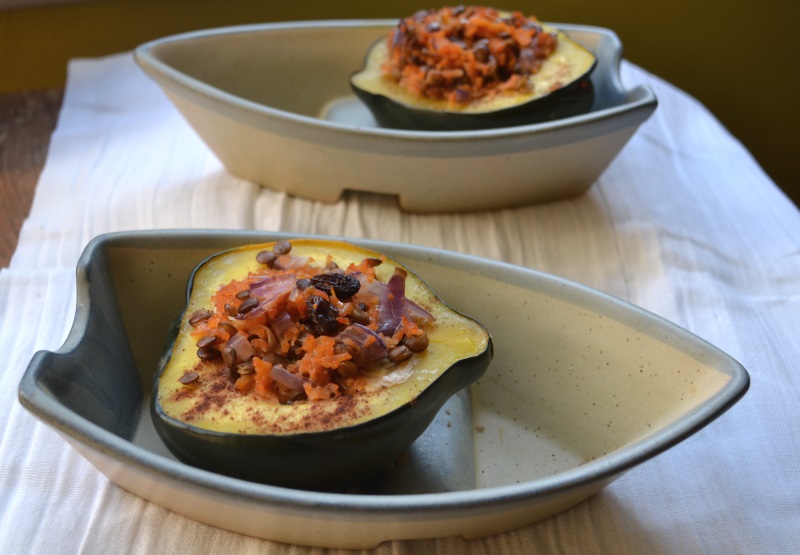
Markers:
point(416, 313)
point(286, 378)
point(295, 294)
point(369, 288)
point(394, 377)
point(390, 310)
point(281, 323)
point(370, 346)
point(270, 291)
point(389, 317)
point(240, 344)
point(289, 262)
point(272, 286)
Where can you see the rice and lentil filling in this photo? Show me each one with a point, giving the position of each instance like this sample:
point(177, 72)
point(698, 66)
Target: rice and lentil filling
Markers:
point(299, 331)
point(461, 54)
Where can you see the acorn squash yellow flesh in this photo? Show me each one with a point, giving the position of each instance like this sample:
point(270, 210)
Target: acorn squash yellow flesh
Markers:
point(321, 443)
point(561, 88)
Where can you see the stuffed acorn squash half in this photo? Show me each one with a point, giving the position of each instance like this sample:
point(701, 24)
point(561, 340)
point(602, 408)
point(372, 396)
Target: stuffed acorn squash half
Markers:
point(462, 68)
point(309, 363)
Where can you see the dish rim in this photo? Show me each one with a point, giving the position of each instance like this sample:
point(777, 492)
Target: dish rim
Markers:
point(48, 409)
point(143, 54)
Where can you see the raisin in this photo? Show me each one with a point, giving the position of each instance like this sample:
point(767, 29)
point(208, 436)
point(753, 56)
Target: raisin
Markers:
point(321, 316)
point(344, 285)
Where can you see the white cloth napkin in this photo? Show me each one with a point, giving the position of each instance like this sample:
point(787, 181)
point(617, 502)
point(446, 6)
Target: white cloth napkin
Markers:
point(683, 223)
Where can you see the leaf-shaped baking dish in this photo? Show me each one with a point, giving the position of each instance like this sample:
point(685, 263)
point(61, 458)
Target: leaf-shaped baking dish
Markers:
point(582, 388)
point(273, 102)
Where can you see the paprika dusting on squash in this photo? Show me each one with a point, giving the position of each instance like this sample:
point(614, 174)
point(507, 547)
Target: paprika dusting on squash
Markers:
point(300, 332)
point(461, 54)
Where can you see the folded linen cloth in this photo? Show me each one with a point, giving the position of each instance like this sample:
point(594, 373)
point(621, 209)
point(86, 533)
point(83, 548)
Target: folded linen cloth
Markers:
point(683, 223)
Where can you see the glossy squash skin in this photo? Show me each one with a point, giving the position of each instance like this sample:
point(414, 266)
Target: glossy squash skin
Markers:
point(325, 444)
point(562, 88)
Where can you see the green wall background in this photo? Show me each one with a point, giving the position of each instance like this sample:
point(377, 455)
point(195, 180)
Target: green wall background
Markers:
point(738, 58)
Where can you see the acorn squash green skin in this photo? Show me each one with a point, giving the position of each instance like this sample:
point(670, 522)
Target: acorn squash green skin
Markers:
point(321, 461)
point(325, 460)
point(573, 100)
point(393, 107)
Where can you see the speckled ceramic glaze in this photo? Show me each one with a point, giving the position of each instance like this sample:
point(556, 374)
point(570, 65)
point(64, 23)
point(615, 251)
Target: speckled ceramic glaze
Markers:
point(273, 102)
point(582, 388)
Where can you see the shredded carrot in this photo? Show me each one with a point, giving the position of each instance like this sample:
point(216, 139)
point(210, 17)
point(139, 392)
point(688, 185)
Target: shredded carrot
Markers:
point(318, 393)
point(259, 344)
point(244, 384)
point(320, 358)
point(410, 328)
point(366, 267)
point(259, 330)
point(461, 54)
point(264, 384)
point(289, 336)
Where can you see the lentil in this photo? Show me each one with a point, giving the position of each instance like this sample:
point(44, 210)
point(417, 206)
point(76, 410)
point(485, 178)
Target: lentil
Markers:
point(228, 356)
point(199, 316)
point(248, 305)
point(189, 377)
point(282, 247)
point(417, 343)
point(207, 353)
point(266, 257)
point(399, 353)
point(207, 341)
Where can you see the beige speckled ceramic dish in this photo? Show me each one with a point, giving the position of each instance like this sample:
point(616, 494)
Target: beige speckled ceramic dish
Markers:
point(273, 102)
point(582, 388)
